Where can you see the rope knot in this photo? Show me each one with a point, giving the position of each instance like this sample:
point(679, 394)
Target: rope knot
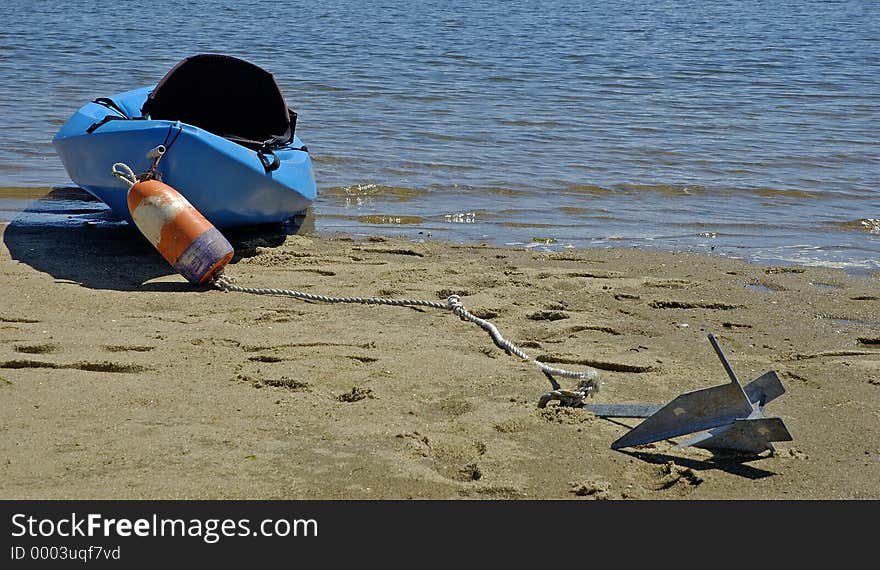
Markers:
point(222, 281)
point(571, 398)
point(454, 303)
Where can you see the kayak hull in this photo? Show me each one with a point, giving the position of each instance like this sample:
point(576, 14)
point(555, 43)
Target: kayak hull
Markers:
point(224, 180)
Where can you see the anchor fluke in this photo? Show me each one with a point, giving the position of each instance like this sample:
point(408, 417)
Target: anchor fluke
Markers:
point(730, 416)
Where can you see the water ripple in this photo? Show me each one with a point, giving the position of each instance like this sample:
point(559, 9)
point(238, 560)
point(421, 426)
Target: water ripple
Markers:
point(597, 121)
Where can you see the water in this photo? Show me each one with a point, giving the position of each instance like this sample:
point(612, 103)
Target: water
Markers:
point(748, 129)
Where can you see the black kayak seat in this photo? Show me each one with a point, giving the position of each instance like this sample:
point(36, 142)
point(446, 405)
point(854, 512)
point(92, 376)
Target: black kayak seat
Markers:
point(225, 96)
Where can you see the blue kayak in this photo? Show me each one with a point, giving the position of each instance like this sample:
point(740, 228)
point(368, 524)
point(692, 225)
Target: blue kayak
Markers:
point(226, 132)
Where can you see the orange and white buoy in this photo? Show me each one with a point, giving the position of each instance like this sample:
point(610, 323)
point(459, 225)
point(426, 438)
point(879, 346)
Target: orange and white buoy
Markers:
point(184, 237)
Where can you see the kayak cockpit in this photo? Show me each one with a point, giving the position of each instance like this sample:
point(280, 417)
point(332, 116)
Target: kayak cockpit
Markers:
point(226, 96)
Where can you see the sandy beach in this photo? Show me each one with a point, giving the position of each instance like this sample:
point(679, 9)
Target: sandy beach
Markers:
point(119, 380)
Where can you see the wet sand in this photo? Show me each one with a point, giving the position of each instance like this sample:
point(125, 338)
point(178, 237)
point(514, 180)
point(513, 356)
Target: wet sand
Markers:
point(118, 380)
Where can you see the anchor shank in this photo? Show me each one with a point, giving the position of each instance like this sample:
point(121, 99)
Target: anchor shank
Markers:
point(721, 356)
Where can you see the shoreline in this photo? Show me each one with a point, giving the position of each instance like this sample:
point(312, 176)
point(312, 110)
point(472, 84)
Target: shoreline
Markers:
point(120, 380)
point(848, 244)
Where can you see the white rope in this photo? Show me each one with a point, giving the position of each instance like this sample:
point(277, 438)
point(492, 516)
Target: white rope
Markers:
point(124, 172)
point(589, 379)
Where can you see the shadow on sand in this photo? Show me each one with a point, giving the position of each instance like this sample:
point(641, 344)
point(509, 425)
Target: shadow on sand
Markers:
point(733, 463)
point(90, 247)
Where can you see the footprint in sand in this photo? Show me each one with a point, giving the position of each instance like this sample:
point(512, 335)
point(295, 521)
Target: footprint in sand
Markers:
point(116, 367)
point(45, 348)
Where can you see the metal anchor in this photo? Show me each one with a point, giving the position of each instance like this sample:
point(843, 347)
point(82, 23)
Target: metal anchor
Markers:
point(730, 416)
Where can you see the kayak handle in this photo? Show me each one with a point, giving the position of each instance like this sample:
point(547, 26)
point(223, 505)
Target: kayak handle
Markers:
point(269, 166)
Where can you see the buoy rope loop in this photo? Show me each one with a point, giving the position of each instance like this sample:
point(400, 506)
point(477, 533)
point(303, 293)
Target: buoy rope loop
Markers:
point(589, 379)
point(124, 172)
